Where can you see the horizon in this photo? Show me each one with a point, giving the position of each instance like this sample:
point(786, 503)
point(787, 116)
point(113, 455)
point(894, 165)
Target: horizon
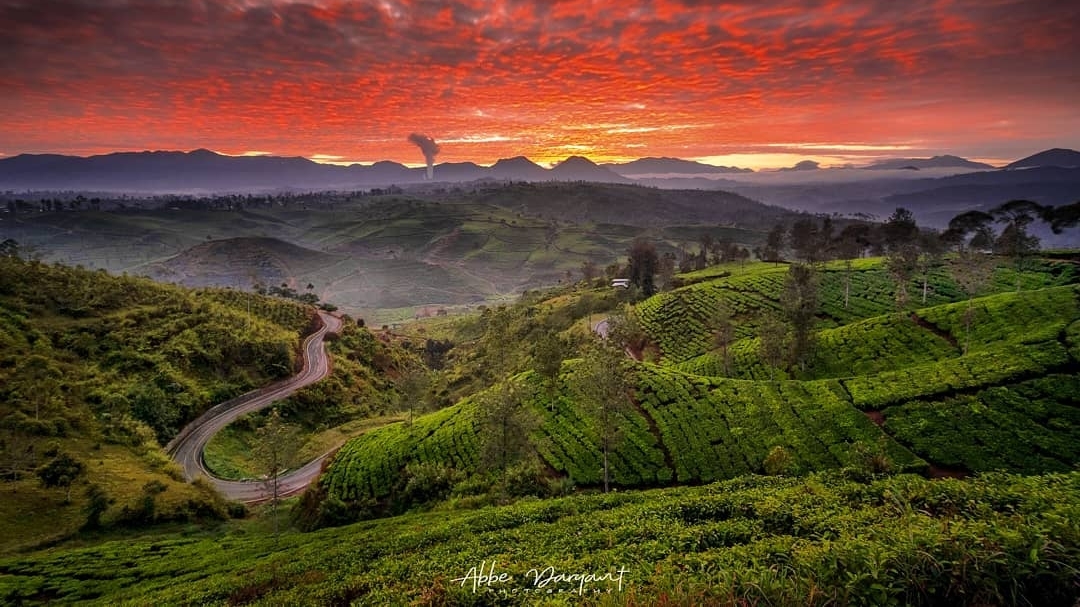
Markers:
point(755, 85)
point(718, 162)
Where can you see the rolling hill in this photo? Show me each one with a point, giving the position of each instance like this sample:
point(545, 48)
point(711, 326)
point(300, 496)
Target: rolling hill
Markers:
point(240, 262)
point(372, 255)
point(873, 382)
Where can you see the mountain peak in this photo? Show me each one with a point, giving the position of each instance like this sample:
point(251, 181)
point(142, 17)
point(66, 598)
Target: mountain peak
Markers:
point(1054, 157)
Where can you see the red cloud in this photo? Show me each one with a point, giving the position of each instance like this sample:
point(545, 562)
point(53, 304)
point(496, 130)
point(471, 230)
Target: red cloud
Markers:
point(679, 77)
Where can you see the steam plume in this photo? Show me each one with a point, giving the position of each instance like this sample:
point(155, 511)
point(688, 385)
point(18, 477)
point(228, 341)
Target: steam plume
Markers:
point(428, 146)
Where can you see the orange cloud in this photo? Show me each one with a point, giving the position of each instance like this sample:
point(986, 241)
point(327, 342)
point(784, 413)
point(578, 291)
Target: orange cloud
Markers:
point(496, 79)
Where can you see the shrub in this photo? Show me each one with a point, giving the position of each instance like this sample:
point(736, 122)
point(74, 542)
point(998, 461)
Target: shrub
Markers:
point(778, 462)
point(426, 482)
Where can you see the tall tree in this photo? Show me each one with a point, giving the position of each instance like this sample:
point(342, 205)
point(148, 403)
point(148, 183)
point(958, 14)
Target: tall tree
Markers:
point(774, 244)
point(666, 271)
point(414, 387)
point(505, 425)
point(805, 239)
point(589, 271)
point(850, 244)
point(548, 355)
point(773, 341)
point(972, 270)
point(901, 237)
point(963, 226)
point(625, 330)
point(277, 447)
point(799, 302)
point(643, 264)
point(602, 383)
point(931, 250)
point(1015, 241)
point(723, 328)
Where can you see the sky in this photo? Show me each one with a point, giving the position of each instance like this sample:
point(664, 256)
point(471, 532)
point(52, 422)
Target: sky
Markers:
point(752, 83)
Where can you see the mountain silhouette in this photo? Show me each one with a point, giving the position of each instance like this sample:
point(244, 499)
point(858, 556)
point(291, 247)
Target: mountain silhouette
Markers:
point(1056, 157)
point(946, 161)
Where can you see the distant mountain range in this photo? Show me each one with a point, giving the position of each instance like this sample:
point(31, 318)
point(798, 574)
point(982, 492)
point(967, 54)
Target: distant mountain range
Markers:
point(206, 171)
point(668, 166)
point(937, 162)
point(203, 170)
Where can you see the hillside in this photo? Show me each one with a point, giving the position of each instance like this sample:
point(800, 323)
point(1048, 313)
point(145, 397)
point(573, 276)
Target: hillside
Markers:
point(240, 262)
point(382, 256)
point(871, 385)
point(106, 369)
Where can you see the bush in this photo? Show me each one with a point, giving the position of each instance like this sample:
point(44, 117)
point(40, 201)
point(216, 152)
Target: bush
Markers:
point(525, 478)
point(426, 482)
point(778, 462)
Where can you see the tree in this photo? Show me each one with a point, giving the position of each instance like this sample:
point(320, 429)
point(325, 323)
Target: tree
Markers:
point(774, 244)
point(277, 446)
point(97, 502)
point(773, 341)
point(850, 244)
point(1062, 217)
point(505, 425)
point(642, 265)
point(16, 450)
point(901, 234)
point(799, 302)
point(414, 387)
point(931, 250)
point(62, 471)
point(805, 240)
point(548, 355)
point(723, 329)
point(972, 271)
point(666, 271)
point(963, 226)
point(625, 330)
point(1015, 241)
point(9, 247)
point(603, 387)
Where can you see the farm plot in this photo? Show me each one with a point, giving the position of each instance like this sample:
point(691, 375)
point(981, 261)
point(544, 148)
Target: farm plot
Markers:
point(1032, 427)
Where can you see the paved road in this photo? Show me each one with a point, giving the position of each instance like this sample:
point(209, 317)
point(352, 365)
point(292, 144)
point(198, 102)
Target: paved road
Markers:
point(187, 447)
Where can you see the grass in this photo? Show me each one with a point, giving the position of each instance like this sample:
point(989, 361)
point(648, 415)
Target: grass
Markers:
point(31, 515)
point(229, 453)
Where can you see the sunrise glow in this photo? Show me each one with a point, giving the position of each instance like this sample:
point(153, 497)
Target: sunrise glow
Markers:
point(756, 84)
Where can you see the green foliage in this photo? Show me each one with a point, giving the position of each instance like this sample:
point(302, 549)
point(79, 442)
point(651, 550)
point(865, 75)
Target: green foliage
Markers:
point(819, 540)
point(602, 386)
point(1029, 427)
point(778, 462)
point(678, 321)
point(61, 471)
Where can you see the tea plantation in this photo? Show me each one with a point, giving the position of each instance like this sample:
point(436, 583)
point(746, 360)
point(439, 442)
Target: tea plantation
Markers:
point(818, 540)
point(687, 427)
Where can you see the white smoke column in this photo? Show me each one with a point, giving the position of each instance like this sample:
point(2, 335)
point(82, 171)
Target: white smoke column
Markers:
point(428, 146)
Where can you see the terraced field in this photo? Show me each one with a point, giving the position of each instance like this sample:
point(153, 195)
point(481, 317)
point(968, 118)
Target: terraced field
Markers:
point(874, 386)
point(678, 321)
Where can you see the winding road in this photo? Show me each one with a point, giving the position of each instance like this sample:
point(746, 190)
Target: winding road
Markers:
point(187, 448)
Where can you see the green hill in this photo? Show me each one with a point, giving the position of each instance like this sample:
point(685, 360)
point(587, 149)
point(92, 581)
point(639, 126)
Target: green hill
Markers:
point(872, 386)
point(106, 369)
